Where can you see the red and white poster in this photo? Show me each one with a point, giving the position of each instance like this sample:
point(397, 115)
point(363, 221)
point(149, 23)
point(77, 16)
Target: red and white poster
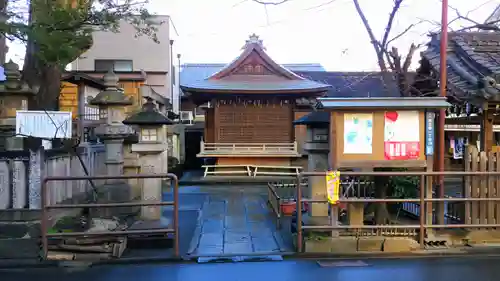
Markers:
point(401, 135)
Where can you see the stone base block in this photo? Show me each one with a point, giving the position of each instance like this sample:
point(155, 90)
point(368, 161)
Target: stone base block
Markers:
point(371, 244)
point(344, 245)
point(475, 237)
point(340, 245)
point(113, 193)
point(318, 246)
point(349, 245)
point(399, 245)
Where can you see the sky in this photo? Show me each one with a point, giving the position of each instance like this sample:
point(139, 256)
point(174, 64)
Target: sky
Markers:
point(300, 31)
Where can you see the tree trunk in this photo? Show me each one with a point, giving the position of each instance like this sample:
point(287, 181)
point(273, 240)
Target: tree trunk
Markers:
point(3, 43)
point(44, 78)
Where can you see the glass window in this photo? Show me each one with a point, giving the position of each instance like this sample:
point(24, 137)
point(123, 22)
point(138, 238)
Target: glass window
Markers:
point(123, 65)
point(149, 135)
point(116, 65)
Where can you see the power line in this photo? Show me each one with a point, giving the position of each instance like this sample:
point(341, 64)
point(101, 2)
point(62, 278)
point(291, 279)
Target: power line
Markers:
point(313, 9)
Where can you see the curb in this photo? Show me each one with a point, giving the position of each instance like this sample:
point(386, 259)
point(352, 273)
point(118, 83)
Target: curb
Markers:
point(453, 253)
point(221, 182)
point(24, 264)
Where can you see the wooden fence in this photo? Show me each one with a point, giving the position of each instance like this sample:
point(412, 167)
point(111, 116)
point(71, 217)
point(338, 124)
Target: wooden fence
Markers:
point(481, 187)
point(21, 173)
point(470, 187)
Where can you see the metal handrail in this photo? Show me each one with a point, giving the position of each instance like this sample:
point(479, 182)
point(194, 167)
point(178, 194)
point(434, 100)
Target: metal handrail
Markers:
point(422, 226)
point(275, 208)
point(46, 207)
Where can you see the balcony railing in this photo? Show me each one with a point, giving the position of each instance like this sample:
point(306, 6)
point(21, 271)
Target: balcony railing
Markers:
point(248, 149)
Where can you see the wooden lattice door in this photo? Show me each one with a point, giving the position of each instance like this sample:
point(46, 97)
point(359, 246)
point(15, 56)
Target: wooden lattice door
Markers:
point(265, 122)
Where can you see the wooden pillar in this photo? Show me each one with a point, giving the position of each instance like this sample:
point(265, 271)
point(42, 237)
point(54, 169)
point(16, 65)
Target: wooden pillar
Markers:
point(487, 135)
point(81, 111)
point(334, 215)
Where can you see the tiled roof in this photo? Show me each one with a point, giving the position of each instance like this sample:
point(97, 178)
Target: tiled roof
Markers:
point(315, 117)
point(473, 62)
point(352, 84)
point(344, 84)
point(285, 86)
point(194, 72)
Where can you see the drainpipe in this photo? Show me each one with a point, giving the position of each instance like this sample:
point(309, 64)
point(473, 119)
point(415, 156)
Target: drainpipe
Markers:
point(170, 71)
point(442, 112)
point(178, 83)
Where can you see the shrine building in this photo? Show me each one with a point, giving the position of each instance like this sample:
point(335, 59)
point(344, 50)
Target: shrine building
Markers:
point(253, 102)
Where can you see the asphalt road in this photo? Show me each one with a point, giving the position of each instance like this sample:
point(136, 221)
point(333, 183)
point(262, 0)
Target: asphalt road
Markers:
point(425, 269)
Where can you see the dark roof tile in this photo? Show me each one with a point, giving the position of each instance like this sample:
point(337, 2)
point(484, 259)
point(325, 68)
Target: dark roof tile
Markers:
point(353, 84)
point(472, 56)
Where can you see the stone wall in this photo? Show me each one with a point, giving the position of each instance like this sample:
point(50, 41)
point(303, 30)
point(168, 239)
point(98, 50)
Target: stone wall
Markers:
point(20, 186)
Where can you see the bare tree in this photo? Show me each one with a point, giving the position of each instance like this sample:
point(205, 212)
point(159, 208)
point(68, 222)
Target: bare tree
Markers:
point(395, 66)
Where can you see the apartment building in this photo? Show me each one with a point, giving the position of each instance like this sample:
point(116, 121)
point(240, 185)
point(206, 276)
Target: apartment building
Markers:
point(144, 67)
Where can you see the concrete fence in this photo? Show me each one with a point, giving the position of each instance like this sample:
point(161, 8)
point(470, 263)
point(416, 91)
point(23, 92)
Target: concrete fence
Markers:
point(21, 174)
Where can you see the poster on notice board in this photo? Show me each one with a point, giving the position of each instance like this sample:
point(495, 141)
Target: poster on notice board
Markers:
point(401, 135)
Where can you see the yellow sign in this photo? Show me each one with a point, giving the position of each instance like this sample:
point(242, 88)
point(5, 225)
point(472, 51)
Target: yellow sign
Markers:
point(333, 186)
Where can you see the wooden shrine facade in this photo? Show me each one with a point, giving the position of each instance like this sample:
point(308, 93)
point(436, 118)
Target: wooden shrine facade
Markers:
point(251, 109)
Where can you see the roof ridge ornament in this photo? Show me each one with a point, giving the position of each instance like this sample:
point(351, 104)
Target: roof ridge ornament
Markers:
point(254, 39)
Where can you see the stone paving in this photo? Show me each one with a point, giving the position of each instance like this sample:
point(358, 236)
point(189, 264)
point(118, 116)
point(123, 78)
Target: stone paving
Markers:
point(235, 222)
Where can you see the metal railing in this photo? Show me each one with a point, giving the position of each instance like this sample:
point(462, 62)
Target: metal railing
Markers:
point(46, 207)
point(248, 148)
point(423, 200)
point(274, 201)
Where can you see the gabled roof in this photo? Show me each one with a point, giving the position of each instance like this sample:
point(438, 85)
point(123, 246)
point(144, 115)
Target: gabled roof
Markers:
point(253, 72)
point(473, 62)
point(254, 47)
point(353, 84)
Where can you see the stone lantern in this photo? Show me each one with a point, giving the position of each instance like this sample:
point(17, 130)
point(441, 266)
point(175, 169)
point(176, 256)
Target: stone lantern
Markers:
point(152, 143)
point(113, 132)
point(14, 96)
point(317, 148)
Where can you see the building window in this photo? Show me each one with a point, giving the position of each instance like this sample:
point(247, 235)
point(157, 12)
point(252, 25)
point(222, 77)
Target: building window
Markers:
point(149, 135)
point(115, 65)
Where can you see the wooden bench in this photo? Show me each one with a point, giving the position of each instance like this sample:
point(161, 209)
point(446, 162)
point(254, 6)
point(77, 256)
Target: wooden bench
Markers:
point(278, 170)
point(236, 169)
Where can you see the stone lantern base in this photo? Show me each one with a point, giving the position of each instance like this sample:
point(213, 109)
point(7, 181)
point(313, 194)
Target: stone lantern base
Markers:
point(114, 192)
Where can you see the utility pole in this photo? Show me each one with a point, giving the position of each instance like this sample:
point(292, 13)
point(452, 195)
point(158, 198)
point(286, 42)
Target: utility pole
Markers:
point(442, 113)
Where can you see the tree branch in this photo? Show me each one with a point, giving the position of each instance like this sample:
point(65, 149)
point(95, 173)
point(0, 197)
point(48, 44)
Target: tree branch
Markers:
point(271, 3)
point(373, 39)
point(388, 26)
point(402, 33)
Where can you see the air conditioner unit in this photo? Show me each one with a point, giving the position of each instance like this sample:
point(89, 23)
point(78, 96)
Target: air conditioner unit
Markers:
point(187, 117)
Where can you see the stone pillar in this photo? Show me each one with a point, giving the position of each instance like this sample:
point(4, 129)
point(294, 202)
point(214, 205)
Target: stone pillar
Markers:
point(132, 167)
point(151, 147)
point(114, 157)
point(151, 188)
point(113, 132)
point(317, 148)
